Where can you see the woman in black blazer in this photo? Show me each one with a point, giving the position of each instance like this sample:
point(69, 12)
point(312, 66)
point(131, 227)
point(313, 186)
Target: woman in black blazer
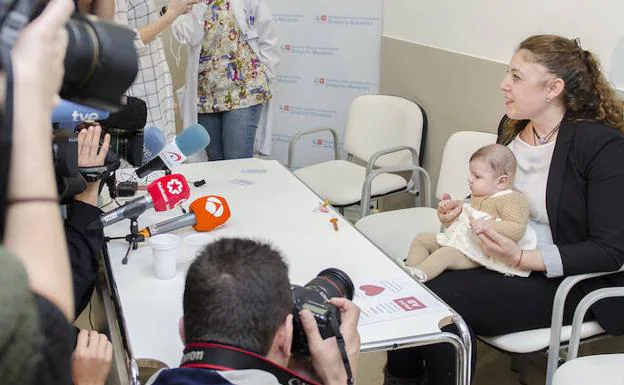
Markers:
point(556, 101)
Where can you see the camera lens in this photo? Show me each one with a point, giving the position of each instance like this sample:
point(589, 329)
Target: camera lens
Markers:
point(332, 283)
point(100, 64)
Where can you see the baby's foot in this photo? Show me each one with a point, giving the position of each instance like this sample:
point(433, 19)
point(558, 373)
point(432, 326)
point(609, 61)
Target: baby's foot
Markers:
point(415, 272)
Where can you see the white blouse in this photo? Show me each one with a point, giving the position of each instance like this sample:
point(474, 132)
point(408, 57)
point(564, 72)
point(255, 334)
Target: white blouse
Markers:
point(531, 178)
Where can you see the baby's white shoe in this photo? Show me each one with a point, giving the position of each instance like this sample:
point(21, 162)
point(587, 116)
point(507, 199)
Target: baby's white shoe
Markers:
point(415, 272)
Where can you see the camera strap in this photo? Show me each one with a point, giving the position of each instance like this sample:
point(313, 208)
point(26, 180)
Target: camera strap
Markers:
point(6, 135)
point(208, 355)
point(333, 320)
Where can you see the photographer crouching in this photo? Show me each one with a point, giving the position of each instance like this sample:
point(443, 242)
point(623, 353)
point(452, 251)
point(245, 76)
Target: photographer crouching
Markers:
point(239, 328)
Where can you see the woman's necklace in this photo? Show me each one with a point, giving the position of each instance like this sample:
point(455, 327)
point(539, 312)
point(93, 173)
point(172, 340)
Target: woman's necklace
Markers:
point(546, 138)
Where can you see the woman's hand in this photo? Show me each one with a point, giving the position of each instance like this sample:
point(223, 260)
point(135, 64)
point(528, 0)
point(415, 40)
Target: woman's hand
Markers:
point(181, 7)
point(498, 246)
point(448, 210)
point(90, 153)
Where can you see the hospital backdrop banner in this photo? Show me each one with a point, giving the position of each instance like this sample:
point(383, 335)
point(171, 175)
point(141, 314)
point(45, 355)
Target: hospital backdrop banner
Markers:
point(329, 55)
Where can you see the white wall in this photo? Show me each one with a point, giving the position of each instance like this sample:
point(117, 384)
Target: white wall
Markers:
point(491, 29)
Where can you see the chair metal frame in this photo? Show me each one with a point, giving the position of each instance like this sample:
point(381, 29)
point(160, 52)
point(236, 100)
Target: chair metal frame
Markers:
point(413, 184)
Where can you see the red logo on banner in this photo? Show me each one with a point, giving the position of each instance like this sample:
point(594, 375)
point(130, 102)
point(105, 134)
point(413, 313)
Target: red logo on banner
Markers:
point(285, 107)
point(409, 303)
point(286, 47)
point(322, 18)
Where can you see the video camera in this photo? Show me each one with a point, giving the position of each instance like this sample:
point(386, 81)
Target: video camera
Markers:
point(329, 283)
point(100, 64)
point(125, 128)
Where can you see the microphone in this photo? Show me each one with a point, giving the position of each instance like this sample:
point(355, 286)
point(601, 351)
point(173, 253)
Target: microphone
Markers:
point(206, 214)
point(162, 194)
point(153, 142)
point(190, 141)
point(74, 113)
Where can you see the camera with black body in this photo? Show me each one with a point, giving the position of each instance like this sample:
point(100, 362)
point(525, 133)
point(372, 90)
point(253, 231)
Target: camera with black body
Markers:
point(101, 61)
point(329, 283)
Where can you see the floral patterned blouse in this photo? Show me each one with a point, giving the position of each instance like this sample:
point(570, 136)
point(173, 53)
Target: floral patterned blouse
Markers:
point(230, 73)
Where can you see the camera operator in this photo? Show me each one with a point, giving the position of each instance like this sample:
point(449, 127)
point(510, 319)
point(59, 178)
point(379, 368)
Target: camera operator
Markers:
point(238, 304)
point(36, 336)
point(84, 245)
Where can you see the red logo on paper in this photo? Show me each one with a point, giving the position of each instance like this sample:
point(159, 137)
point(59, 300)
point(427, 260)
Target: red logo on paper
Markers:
point(372, 290)
point(285, 107)
point(409, 303)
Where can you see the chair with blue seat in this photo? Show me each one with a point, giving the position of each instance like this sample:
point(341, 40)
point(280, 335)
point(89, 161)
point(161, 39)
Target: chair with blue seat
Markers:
point(385, 132)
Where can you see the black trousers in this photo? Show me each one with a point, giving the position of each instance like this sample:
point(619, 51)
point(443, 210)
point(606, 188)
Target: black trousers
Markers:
point(491, 304)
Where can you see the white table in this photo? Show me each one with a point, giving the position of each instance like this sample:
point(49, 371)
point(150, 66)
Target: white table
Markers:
point(279, 208)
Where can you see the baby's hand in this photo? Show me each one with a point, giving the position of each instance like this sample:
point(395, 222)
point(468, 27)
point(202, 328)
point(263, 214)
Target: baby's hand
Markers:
point(478, 226)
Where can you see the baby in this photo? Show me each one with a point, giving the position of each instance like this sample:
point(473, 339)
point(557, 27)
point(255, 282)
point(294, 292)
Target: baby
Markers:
point(492, 203)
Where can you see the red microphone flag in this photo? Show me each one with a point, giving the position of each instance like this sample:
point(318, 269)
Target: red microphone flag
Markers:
point(168, 191)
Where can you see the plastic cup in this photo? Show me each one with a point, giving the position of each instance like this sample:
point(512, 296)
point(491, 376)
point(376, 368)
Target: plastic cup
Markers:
point(194, 243)
point(165, 253)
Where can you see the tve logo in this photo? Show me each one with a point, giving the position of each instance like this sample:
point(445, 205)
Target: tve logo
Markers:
point(85, 117)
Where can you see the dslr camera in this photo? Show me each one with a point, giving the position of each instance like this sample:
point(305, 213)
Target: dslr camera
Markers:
point(329, 283)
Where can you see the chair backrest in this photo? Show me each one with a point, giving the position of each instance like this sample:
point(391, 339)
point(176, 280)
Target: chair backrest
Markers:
point(378, 122)
point(454, 172)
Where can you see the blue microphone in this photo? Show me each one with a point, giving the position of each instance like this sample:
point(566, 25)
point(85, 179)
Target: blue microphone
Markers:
point(74, 113)
point(190, 141)
point(153, 142)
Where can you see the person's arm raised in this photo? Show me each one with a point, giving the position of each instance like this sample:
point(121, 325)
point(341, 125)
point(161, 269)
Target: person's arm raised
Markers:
point(34, 230)
point(176, 8)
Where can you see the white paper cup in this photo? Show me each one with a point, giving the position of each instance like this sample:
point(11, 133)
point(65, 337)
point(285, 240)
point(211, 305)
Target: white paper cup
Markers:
point(194, 243)
point(165, 253)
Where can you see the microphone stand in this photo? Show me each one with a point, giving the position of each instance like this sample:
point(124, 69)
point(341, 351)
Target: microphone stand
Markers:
point(133, 238)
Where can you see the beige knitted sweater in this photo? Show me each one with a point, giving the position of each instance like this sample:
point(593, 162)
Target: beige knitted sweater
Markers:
point(512, 209)
point(508, 214)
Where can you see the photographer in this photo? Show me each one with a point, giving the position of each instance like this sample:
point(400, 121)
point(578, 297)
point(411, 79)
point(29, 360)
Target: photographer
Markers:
point(238, 301)
point(84, 245)
point(36, 335)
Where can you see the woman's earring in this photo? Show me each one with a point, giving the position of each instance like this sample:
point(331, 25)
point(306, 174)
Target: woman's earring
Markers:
point(547, 100)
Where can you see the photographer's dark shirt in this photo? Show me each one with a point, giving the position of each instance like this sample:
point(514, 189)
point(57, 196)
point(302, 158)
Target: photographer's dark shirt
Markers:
point(84, 247)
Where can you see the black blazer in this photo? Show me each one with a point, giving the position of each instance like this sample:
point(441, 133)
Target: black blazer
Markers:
point(585, 205)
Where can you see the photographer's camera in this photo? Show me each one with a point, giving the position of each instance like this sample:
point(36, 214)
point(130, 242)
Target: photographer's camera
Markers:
point(314, 297)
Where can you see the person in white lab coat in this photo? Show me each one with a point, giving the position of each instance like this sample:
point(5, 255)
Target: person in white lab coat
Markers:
point(232, 54)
